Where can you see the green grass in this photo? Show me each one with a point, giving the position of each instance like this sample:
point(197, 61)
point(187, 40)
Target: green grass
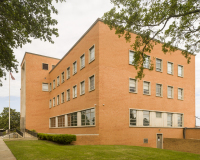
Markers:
point(44, 150)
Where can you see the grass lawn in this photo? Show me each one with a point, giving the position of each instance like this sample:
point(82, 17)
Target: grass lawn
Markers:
point(44, 150)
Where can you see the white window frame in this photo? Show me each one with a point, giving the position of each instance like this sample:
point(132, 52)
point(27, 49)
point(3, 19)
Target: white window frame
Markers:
point(172, 92)
point(133, 119)
point(182, 71)
point(58, 81)
point(89, 83)
point(161, 90)
point(45, 90)
point(54, 103)
point(161, 65)
point(62, 97)
point(143, 117)
point(130, 51)
point(172, 71)
point(171, 119)
point(74, 95)
point(180, 121)
point(74, 71)
point(81, 65)
point(50, 103)
point(81, 88)
point(182, 96)
point(50, 87)
point(58, 99)
point(68, 97)
point(144, 64)
point(149, 88)
point(136, 85)
point(63, 77)
point(54, 84)
point(91, 60)
point(68, 73)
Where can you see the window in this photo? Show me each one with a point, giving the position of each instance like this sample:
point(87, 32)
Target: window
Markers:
point(58, 99)
point(72, 119)
point(146, 88)
point(91, 83)
point(180, 71)
point(50, 103)
point(45, 87)
point(132, 85)
point(180, 93)
point(58, 80)
point(88, 117)
point(131, 57)
point(180, 120)
point(75, 91)
point(45, 66)
point(61, 121)
point(75, 67)
point(169, 119)
point(68, 72)
point(54, 102)
point(68, 94)
point(146, 118)
point(170, 91)
point(53, 122)
point(62, 97)
point(133, 115)
point(50, 87)
point(159, 65)
point(53, 66)
point(82, 88)
point(159, 90)
point(169, 68)
point(146, 63)
point(92, 54)
point(54, 84)
point(82, 61)
point(62, 77)
point(158, 115)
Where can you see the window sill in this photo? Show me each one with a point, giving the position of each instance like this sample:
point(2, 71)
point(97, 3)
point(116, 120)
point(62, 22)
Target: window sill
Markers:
point(131, 64)
point(180, 76)
point(154, 127)
point(68, 100)
point(91, 60)
point(160, 96)
point(170, 98)
point(74, 97)
point(74, 73)
point(170, 74)
point(45, 91)
point(146, 94)
point(91, 90)
point(133, 92)
point(68, 78)
point(82, 68)
point(181, 99)
point(73, 127)
point(159, 71)
point(82, 94)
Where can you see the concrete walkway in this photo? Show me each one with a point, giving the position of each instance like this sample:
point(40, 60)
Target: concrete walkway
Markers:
point(5, 153)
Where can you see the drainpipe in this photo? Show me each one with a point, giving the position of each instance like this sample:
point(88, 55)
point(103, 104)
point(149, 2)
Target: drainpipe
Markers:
point(184, 133)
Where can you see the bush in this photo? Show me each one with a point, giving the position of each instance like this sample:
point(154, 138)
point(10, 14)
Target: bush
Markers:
point(33, 131)
point(58, 138)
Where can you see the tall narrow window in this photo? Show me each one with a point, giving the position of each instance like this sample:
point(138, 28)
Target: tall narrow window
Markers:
point(62, 77)
point(45, 66)
point(68, 72)
point(146, 118)
point(72, 119)
point(53, 122)
point(131, 57)
point(146, 88)
point(169, 119)
point(169, 68)
point(54, 84)
point(158, 115)
point(146, 63)
point(54, 102)
point(180, 120)
point(68, 94)
point(91, 81)
point(82, 88)
point(74, 67)
point(61, 121)
point(132, 85)
point(159, 65)
point(88, 117)
point(50, 103)
point(180, 93)
point(75, 91)
point(82, 60)
point(133, 115)
point(92, 54)
point(180, 71)
point(58, 80)
point(50, 87)
point(159, 90)
point(58, 99)
point(62, 97)
point(45, 87)
point(170, 91)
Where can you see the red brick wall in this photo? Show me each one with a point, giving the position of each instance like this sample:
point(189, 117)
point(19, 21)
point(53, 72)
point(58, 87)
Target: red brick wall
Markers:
point(192, 133)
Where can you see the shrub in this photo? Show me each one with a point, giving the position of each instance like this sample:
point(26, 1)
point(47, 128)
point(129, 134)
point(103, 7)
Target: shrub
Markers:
point(58, 138)
point(33, 131)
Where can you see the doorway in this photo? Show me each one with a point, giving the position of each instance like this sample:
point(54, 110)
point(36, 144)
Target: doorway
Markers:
point(159, 141)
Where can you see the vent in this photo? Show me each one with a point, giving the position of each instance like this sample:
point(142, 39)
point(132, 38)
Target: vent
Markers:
point(145, 140)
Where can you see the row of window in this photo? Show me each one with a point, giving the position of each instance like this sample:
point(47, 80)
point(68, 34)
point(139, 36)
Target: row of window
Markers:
point(74, 92)
point(159, 64)
point(45, 66)
point(146, 118)
point(133, 87)
point(81, 118)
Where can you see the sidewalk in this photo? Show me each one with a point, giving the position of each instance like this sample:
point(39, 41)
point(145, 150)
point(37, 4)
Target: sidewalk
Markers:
point(5, 153)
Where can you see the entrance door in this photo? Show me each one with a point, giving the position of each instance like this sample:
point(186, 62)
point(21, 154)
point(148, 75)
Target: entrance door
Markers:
point(159, 141)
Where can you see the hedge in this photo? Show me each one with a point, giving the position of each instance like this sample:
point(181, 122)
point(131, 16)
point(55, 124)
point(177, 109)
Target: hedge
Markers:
point(58, 138)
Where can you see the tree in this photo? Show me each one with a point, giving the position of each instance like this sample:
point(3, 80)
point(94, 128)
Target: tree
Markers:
point(174, 23)
point(21, 20)
point(14, 119)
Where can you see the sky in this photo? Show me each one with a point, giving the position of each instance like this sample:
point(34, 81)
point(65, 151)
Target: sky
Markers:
point(74, 18)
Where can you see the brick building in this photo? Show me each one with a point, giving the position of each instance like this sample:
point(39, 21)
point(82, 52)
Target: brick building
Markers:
point(92, 92)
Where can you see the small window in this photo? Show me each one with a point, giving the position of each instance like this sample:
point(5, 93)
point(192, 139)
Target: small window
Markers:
point(170, 92)
point(68, 94)
point(180, 120)
point(146, 88)
point(61, 121)
point(131, 57)
point(180, 71)
point(180, 93)
point(45, 87)
point(53, 122)
point(82, 61)
point(133, 115)
point(146, 63)
point(88, 117)
point(170, 68)
point(54, 84)
point(145, 140)
point(54, 102)
point(45, 66)
point(158, 65)
point(169, 119)
point(74, 67)
point(68, 72)
point(62, 77)
point(91, 83)
point(92, 54)
point(158, 115)
point(50, 87)
point(75, 91)
point(53, 66)
point(50, 103)
point(132, 85)
point(58, 80)
point(58, 99)
point(82, 88)
point(72, 119)
point(62, 97)
point(159, 90)
point(146, 118)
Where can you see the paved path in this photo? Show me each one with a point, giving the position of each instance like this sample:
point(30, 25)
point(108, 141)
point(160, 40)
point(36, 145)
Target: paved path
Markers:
point(5, 153)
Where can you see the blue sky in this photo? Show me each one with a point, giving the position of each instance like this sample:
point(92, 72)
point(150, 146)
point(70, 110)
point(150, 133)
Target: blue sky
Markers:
point(74, 18)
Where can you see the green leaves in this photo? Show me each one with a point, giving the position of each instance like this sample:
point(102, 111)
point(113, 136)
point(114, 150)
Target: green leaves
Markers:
point(175, 23)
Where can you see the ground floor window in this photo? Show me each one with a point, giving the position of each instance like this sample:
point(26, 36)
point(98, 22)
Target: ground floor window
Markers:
point(88, 117)
point(133, 117)
point(61, 121)
point(53, 122)
point(72, 119)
